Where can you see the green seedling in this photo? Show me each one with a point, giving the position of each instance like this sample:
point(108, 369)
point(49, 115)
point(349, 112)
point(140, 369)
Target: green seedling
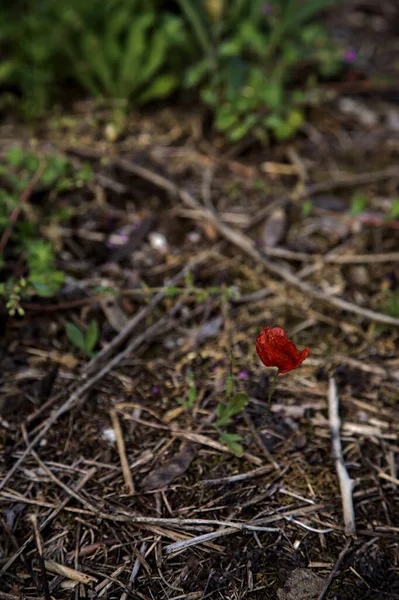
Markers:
point(358, 205)
point(188, 403)
point(84, 341)
point(51, 174)
point(307, 208)
point(393, 214)
point(225, 411)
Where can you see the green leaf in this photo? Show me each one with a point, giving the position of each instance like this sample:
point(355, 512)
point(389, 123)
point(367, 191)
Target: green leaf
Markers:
point(157, 51)
point(96, 62)
point(183, 402)
point(273, 94)
point(196, 73)
point(171, 291)
point(307, 208)
point(91, 336)
point(226, 117)
point(358, 204)
point(237, 133)
point(233, 407)
point(231, 440)
point(129, 77)
point(7, 70)
point(238, 402)
point(114, 33)
point(192, 392)
point(15, 156)
point(394, 212)
point(162, 86)
point(229, 385)
point(48, 283)
point(74, 335)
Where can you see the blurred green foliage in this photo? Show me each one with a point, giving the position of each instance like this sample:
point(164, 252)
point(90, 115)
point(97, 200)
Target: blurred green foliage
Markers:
point(255, 64)
point(254, 56)
point(35, 254)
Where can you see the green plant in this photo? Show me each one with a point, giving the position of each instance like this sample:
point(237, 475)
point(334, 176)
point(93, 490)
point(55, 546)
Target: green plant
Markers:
point(58, 173)
point(119, 49)
point(84, 341)
point(358, 204)
point(394, 211)
point(256, 64)
point(251, 57)
point(391, 303)
point(22, 173)
point(43, 277)
point(189, 402)
point(125, 52)
point(13, 291)
point(307, 208)
point(33, 61)
point(233, 405)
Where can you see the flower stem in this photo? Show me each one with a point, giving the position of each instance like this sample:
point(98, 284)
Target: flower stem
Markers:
point(269, 401)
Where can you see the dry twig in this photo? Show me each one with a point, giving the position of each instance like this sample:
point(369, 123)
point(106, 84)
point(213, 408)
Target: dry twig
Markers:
point(243, 242)
point(79, 393)
point(345, 482)
point(127, 475)
point(337, 565)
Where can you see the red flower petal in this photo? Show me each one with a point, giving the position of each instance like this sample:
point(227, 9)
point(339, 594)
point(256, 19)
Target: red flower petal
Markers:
point(276, 350)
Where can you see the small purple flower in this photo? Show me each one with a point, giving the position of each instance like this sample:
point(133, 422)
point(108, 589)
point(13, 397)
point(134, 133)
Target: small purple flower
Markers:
point(350, 56)
point(118, 238)
point(243, 375)
point(266, 8)
point(155, 389)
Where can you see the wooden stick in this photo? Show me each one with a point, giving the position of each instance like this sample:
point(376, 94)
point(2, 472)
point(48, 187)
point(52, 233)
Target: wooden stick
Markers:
point(120, 442)
point(345, 482)
point(247, 245)
point(92, 373)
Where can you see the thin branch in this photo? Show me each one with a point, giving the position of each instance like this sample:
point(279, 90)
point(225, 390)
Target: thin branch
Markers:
point(79, 393)
point(338, 563)
point(345, 482)
point(127, 474)
point(247, 245)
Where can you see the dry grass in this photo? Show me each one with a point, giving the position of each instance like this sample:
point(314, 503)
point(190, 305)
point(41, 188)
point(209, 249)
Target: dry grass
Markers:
point(109, 487)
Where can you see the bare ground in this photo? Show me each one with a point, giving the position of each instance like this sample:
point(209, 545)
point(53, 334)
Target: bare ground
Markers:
point(110, 489)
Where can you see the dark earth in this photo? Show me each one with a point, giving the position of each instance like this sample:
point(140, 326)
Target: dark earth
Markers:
point(119, 471)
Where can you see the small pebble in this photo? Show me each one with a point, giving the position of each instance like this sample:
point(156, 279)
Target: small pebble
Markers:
point(158, 242)
point(108, 434)
point(194, 237)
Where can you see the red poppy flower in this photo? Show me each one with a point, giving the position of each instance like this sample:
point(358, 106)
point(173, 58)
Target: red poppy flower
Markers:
point(276, 350)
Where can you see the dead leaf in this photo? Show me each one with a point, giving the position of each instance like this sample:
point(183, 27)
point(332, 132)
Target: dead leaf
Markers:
point(170, 470)
point(275, 228)
point(207, 330)
point(64, 359)
point(359, 111)
point(210, 232)
point(115, 315)
point(172, 414)
point(329, 202)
